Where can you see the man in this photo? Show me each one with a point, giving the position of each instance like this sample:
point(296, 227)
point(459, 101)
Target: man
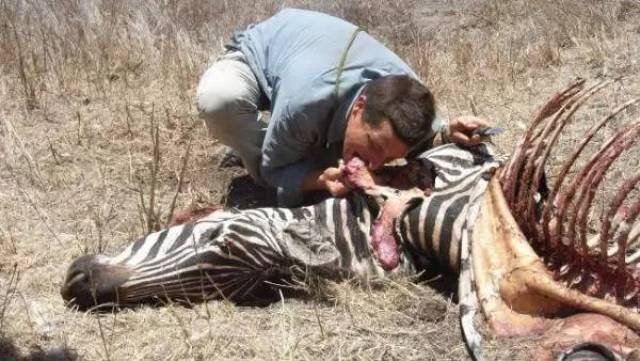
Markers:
point(333, 92)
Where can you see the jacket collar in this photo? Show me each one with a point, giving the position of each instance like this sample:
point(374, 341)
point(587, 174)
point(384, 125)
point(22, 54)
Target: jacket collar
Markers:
point(338, 124)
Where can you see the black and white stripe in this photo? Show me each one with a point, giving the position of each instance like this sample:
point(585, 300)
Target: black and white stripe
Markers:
point(240, 255)
point(245, 256)
point(440, 227)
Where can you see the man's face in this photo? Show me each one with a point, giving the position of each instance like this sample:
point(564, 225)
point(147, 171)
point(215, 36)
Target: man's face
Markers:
point(375, 145)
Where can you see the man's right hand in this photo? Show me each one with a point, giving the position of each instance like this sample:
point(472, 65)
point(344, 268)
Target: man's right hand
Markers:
point(331, 181)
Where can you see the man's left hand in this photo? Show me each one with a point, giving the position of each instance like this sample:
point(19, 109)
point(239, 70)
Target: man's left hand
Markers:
point(461, 130)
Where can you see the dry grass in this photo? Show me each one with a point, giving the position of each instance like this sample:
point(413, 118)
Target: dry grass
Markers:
point(85, 85)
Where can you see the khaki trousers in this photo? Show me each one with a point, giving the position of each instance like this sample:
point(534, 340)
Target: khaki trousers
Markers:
point(228, 96)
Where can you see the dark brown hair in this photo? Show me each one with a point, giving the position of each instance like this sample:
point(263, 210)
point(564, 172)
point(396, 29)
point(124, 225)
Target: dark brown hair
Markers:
point(403, 100)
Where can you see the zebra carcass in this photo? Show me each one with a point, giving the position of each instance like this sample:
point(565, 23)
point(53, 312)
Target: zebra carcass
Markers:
point(521, 249)
point(244, 255)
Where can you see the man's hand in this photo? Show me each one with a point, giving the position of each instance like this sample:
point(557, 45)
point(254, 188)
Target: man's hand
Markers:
point(329, 180)
point(461, 130)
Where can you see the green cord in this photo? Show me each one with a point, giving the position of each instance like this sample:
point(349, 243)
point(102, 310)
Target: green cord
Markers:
point(343, 60)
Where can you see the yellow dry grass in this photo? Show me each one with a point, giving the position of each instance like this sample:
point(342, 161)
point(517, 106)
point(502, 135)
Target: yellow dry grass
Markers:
point(85, 83)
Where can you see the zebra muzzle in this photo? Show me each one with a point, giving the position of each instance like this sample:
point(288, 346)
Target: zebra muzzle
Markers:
point(90, 283)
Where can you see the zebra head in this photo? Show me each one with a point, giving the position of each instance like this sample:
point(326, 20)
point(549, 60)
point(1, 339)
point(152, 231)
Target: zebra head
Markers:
point(91, 281)
point(171, 264)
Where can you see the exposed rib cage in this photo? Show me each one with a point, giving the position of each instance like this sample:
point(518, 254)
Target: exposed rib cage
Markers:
point(245, 256)
point(556, 220)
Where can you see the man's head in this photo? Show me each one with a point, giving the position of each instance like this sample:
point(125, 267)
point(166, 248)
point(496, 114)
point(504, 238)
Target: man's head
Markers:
point(392, 115)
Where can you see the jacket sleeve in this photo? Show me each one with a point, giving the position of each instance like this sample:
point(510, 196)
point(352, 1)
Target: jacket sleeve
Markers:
point(285, 154)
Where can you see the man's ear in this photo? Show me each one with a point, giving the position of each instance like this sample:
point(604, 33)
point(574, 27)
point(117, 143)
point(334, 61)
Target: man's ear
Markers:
point(359, 104)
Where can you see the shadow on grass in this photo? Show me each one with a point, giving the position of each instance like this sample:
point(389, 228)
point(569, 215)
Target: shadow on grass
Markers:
point(9, 352)
point(244, 193)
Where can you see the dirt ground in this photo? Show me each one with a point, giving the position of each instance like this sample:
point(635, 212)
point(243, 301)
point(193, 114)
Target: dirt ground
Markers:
point(85, 84)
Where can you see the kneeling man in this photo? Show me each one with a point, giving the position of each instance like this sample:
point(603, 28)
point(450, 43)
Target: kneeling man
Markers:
point(333, 92)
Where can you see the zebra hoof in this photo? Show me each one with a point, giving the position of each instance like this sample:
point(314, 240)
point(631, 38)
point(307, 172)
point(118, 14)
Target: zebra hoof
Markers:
point(589, 352)
point(90, 284)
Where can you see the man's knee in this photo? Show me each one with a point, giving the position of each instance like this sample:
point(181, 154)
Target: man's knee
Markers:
point(228, 85)
point(224, 96)
point(214, 99)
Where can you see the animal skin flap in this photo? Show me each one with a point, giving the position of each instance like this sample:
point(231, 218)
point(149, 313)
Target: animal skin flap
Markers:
point(310, 243)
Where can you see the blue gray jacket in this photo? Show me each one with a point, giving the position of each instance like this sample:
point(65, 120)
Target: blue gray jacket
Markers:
point(295, 56)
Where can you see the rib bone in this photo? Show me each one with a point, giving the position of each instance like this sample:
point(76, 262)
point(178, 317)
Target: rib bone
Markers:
point(502, 254)
point(535, 240)
point(519, 296)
